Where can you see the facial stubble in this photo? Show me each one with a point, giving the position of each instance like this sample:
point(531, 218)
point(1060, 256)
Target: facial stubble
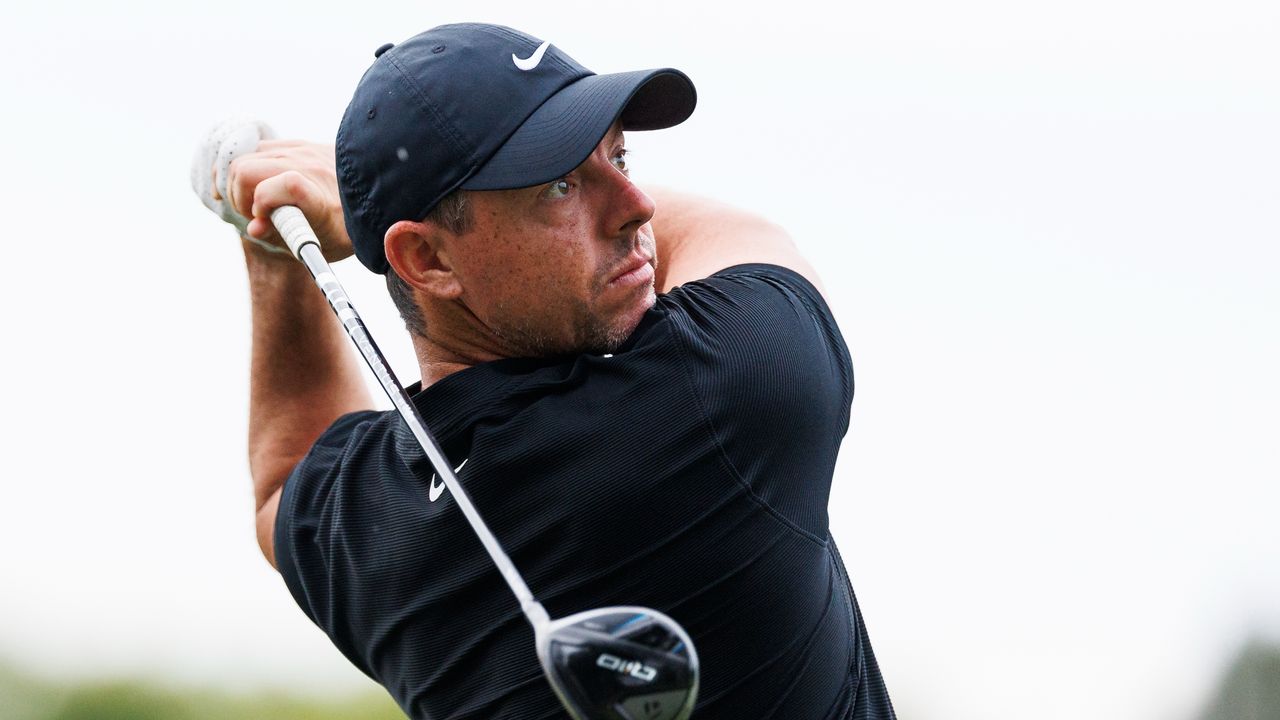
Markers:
point(591, 332)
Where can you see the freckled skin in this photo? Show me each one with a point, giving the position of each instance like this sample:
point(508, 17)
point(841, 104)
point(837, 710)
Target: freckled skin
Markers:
point(535, 268)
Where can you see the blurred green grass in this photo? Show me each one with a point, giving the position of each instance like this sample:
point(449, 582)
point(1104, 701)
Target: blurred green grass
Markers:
point(26, 698)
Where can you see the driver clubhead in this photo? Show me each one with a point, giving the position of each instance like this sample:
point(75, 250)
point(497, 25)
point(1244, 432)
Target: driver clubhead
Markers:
point(620, 663)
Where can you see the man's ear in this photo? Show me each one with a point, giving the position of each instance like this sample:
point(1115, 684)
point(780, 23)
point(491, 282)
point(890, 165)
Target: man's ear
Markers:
point(416, 252)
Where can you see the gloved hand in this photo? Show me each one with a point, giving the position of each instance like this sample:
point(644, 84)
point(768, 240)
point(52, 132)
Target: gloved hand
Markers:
point(210, 168)
point(242, 174)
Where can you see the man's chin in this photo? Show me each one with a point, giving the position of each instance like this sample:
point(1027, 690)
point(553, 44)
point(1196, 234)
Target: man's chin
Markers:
point(611, 336)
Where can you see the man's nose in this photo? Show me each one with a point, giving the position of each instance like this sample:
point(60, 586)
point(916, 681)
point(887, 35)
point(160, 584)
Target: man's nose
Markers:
point(628, 207)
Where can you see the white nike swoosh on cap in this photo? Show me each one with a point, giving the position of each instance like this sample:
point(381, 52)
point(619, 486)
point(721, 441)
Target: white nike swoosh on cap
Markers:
point(434, 493)
point(532, 61)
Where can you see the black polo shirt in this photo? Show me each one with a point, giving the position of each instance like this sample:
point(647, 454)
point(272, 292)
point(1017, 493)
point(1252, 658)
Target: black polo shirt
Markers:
point(689, 472)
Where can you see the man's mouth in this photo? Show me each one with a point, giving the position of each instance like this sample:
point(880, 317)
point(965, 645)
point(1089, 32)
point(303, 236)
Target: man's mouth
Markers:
point(637, 271)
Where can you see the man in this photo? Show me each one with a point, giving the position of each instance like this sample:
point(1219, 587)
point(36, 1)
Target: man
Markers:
point(644, 399)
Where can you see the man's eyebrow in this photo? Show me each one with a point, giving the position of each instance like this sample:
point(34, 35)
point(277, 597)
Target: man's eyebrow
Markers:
point(615, 133)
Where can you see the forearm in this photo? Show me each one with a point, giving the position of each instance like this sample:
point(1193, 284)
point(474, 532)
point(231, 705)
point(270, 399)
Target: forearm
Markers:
point(303, 374)
point(696, 236)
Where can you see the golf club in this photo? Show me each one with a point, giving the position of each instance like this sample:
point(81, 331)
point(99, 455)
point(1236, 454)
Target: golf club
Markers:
point(613, 663)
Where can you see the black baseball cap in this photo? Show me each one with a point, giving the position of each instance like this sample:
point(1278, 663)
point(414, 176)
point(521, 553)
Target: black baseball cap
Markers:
point(479, 107)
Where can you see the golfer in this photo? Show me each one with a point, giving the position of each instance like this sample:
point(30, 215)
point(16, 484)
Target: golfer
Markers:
point(643, 392)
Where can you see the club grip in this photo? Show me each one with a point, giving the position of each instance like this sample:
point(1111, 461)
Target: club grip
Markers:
point(294, 228)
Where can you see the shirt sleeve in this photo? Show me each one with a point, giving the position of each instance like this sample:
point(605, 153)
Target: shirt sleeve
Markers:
point(775, 380)
point(304, 502)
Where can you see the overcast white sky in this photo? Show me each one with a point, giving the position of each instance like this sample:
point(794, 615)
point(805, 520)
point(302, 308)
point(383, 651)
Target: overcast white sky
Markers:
point(1049, 231)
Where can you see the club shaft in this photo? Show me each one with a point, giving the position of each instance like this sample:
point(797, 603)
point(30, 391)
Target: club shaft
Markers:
point(302, 241)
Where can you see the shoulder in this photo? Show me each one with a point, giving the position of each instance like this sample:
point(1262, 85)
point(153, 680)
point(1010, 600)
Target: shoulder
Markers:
point(766, 279)
point(758, 301)
point(308, 490)
point(762, 336)
point(330, 457)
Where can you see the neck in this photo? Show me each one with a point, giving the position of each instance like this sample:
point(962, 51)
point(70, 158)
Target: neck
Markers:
point(455, 340)
point(437, 361)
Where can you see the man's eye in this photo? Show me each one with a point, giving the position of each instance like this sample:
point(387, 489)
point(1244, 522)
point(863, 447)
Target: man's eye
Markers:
point(556, 189)
point(620, 160)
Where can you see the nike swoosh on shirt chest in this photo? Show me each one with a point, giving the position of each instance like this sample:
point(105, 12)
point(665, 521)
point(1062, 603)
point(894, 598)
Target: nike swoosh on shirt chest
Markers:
point(437, 490)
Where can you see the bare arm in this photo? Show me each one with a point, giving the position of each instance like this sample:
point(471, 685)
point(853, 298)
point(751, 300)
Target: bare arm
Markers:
point(303, 372)
point(697, 236)
point(303, 376)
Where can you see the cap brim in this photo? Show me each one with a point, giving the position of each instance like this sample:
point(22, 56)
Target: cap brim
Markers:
point(563, 131)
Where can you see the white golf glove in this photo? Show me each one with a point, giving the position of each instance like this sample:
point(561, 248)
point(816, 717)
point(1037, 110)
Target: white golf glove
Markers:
point(211, 164)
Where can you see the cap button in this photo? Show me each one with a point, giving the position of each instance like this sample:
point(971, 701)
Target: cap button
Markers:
point(378, 53)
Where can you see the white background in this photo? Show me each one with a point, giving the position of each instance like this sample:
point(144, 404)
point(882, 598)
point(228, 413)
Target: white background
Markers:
point(1049, 231)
